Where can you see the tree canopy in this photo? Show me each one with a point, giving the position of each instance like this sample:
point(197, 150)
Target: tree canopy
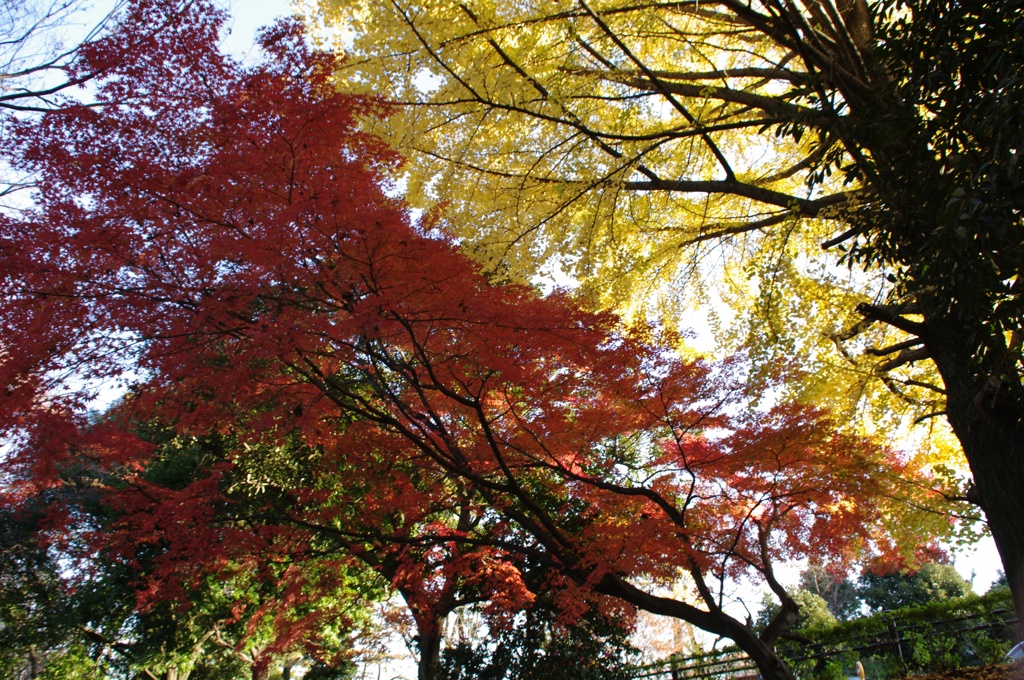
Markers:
point(355, 392)
point(838, 592)
point(933, 582)
point(646, 148)
point(826, 598)
point(814, 612)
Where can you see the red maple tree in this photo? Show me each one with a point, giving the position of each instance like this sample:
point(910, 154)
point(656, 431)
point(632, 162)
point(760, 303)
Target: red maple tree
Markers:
point(222, 240)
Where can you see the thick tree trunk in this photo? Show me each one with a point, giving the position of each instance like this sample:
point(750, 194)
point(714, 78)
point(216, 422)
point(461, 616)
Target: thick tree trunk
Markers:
point(769, 664)
point(996, 457)
point(985, 414)
point(430, 654)
point(33, 662)
point(429, 617)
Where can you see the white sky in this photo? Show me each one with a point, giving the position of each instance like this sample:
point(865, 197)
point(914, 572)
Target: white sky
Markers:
point(248, 16)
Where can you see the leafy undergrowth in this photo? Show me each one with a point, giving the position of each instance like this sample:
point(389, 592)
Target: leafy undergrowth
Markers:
point(1002, 671)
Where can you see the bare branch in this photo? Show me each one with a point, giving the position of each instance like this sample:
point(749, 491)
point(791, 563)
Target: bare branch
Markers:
point(801, 206)
point(905, 357)
point(720, 74)
point(772, 105)
point(892, 316)
point(936, 414)
point(886, 351)
point(845, 236)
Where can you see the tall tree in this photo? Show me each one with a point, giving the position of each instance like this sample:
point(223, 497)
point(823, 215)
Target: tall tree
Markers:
point(885, 586)
point(835, 589)
point(93, 581)
point(630, 143)
point(222, 238)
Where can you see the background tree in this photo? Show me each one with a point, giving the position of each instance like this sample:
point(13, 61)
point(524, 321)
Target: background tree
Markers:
point(999, 582)
point(70, 614)
point(221, 590)
point(639, 145)
point(72, 600)
point(885, 586)
point(838, 592)
point(222, 238)
point(34, 616)
point(932, 582)
point(813, 613)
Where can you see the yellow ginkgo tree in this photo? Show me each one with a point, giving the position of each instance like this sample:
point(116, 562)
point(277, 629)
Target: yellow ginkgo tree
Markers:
point(734, 154)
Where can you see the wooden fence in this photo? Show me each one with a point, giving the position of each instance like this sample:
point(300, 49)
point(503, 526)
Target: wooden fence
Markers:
point(900, 646)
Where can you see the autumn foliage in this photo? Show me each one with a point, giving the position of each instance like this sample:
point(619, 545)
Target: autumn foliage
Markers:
point(224, 243)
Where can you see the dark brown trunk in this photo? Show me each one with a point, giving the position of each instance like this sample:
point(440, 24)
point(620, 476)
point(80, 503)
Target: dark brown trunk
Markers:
point(985, 416)
point(430, 654)
point(428, 617)
point(770, 665)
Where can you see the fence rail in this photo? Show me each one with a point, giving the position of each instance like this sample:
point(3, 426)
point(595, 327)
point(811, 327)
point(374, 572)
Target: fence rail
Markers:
point(899, 643)
point(728, 663)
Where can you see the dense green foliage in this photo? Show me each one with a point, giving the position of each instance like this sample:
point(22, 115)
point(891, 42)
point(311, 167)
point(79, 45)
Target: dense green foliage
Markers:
point(933, 582)
point(813, 613)
point(68, 611)
point(838, 592)
point(939, 636)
